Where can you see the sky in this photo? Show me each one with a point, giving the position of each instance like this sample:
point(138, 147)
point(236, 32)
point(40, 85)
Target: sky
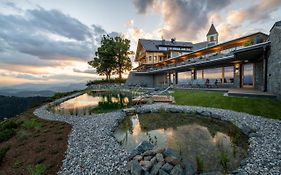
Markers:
point(52, 41)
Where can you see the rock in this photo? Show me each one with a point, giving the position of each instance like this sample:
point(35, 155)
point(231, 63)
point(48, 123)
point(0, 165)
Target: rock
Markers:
point(156, 168)
point(177, 170)
point(158, 150)
point(149, 153)
point(146, 173)
point(167, 167)
point(148, 158)
point(138, 158)
point(168, 152)
point(146, 165)
point(153, 161)
point(136, 168)
point(159, 157)
point(162, 172)
point(144, 146)
point(173, 161)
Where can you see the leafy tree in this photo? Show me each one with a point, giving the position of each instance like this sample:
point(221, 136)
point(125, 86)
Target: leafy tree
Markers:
point(123, 61)
point(104, 60)
point(112, 57)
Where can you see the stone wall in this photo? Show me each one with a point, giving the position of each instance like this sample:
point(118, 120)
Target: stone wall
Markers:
point(259, 83)
point(135, 79)
point(160, 80)
point(274, 62)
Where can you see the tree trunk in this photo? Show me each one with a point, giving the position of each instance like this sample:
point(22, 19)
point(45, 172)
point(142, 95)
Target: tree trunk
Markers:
point(120, 72)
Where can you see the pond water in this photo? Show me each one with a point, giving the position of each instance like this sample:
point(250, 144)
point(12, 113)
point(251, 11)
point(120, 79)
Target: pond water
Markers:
point(211, 141)
point(93, 103)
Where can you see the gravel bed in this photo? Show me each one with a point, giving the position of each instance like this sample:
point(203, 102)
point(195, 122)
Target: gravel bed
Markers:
point(92, 149)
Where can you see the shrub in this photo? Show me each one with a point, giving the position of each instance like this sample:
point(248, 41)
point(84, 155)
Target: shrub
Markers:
point(3, 152)
point(6, 134)
point(95, 82)
point(32, 123)
point(7, 130)
point(37, 169)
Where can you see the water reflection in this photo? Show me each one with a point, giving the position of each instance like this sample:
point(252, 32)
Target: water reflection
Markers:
point(93, 103)
point(190, 136)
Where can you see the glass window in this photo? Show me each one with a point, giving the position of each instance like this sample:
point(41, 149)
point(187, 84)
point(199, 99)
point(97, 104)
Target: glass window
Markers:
point(229, 74)
point(248, 74)
point(199, 74)
point(163, 48)
point(155, 58)
point(213, 74)
point(150, 58)
point(183, 77)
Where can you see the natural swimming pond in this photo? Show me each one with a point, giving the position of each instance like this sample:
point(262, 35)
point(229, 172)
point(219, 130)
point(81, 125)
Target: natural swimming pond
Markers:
point(210, 144)
point(91, 102)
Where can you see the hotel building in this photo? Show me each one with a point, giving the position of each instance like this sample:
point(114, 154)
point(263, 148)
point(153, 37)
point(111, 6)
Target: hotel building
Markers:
point(252, 61)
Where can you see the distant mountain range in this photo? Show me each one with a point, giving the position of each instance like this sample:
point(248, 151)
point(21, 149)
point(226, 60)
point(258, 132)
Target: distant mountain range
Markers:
point(43, 90)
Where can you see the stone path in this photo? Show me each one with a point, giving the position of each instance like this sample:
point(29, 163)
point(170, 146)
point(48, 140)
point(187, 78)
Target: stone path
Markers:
point(93, 150)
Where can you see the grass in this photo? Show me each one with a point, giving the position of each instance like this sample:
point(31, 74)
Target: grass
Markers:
point(37, 169)
point(32, 123)
point(269, 108)
point(107, 107)
point(223, 161)
point(3, 152)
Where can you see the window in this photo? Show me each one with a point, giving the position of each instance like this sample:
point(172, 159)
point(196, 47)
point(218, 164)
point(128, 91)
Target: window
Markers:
point(155, 58)
point(160, 58)
point(163, 48)
point(183, 77)
point(150, 58)
point(229, 74)
point(213, 74)
point(199, 74)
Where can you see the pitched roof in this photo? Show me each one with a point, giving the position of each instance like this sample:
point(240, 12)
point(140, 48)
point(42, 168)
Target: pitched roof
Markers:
point(153, 45)
point(212, 30)
point(278, 23)
point(200, 45)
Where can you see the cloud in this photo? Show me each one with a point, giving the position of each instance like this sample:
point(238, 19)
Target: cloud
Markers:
point(143, 5)
point(88, 71)
point(182, 18)
point(56, 22)
point(190, 19)
point(261, 11)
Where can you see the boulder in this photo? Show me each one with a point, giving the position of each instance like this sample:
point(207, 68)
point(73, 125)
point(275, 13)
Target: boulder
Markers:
point(168, 152)
point(138, 158)
point(159, 157)
point(162, 172)
point(173, 161)
point(146, 165)
point(135, 168)
point(144, 146)
point(148, 158)
point(177, 170)
point(167, 167)
point(156, 168)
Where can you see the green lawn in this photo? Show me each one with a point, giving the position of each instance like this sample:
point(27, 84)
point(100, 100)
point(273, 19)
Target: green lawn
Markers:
point(269, 108)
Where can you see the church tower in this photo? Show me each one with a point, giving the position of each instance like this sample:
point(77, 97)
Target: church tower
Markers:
point(212, 36)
